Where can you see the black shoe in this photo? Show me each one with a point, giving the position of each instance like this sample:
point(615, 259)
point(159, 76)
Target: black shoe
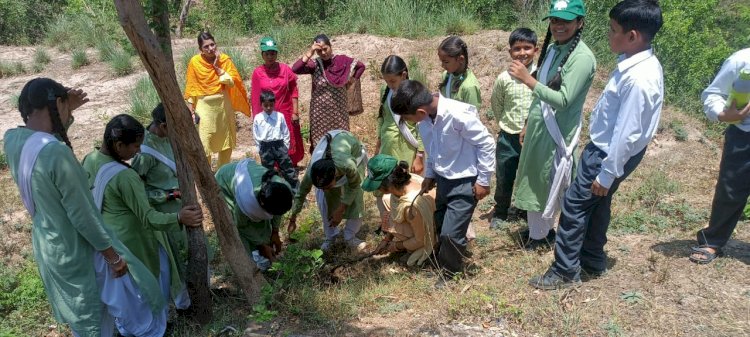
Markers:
point(546, 243)
point(551, 281)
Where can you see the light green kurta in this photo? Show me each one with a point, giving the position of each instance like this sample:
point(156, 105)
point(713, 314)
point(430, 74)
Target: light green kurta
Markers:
point(159, 179)
point(392, 142)
point(468, 92)
point(252, 233)
point(127, 213)
point(67, 231)
point(345, 150)
point(537, 154)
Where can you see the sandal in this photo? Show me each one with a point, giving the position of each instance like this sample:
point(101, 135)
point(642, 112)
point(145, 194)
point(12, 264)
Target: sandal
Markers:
point(706, 255)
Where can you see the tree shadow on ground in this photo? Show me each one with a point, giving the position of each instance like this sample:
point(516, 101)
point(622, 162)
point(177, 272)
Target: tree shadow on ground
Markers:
point(735, 249)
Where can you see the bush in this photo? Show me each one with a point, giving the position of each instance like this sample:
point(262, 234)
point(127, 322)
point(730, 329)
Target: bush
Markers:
point(25, 22)
point(241, 62)
point(8, 69)
point(42, 57)
point(143, 99)
point(121, 63)
point(79, 59)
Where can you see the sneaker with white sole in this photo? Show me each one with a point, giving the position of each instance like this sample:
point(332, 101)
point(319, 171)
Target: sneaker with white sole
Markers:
point(357, 245)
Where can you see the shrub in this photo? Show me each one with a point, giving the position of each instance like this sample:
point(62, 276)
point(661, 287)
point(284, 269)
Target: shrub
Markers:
point(121, 63)
point(8, 69)
point(240, 61)
point(42, 57)
point(143, 99)
point(79, 59)
point(25, 22)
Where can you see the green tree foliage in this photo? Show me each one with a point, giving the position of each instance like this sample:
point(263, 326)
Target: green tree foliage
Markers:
point(25, 22)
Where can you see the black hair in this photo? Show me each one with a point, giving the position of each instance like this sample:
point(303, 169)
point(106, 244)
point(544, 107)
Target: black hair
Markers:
point(556, 82)
point(322, 38)
point(453, 46)
point(409, 97)
point(522, 35)
point(203, 36)
point(323, 171)
point(643, 16)
point(399, 177)
point(40, 93)
point(274, 196)
point(159, 115)
point(122, 128)
point(267, 96)
point(392, 65)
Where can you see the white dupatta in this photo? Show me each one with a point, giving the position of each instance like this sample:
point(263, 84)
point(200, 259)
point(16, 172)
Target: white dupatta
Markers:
point(29, 153)
point(320, 151)
point(103, 176)
point(402, 128)
point(159, 156)
point(245, 195)
point(562, 164)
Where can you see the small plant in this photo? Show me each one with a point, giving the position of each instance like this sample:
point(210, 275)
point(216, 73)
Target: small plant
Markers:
point(79, 59)
point(106, 49)
point(14, 101)
point(417, 72)
point(42, 57)
point(143, 99)
point(679, 131)
point(240, 61)
point(121, 63)
point(262, 314)
point(632, 297)
point(3, 161)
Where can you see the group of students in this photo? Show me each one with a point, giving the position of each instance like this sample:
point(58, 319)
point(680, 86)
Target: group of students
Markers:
point(434, 161)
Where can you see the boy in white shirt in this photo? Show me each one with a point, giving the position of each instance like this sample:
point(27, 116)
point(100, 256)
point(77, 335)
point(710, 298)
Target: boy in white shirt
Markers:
point(272, 139)
point(622, 124)
point(733, 184)
point(460, 161)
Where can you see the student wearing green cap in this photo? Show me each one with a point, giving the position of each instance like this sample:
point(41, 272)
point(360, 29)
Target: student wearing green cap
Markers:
point(566, 70)
point(279, 79)
point(411, 225)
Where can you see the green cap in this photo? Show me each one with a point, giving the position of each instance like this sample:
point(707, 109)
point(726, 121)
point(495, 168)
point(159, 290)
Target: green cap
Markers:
point(566, 9)
point(267, 43)
point(378, 169)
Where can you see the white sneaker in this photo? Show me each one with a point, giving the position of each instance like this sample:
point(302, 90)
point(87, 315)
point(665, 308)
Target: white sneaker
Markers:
point(357, 245)
point(326, 246)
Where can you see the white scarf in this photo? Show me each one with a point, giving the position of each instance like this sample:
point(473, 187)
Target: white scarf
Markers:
point(245, 195)
point(159, 156)
point(320, 151)
point(103, 176)
point(562, 165)
point(30, 151)
point(401, 124)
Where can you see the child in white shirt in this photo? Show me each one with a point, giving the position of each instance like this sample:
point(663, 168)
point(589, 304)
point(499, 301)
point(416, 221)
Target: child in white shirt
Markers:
point(272, 139)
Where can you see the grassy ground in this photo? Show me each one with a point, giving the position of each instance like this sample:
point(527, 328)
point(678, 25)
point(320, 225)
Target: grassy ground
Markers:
point(652, 289)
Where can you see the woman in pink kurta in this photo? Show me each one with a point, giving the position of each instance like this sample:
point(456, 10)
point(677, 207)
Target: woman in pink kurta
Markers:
point(279, 79)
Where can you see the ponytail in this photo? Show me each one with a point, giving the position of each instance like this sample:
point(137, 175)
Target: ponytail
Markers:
point(399, 178)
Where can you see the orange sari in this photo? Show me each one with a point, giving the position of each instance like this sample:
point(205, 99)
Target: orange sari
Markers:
point(202, 80)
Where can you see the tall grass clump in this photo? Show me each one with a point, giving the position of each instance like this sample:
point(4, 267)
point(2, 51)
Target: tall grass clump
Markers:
point(240, 61)
point(402, 18)
point(143, 99)
point(42, 57)
point(121, 63)
point(79, 59)
point(292, 40)
point(417, 71)
point(8, 69)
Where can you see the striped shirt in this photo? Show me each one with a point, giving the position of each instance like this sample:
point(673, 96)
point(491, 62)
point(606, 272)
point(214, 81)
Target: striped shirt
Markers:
point(510, 102)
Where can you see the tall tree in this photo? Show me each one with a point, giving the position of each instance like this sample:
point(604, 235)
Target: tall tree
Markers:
point(191, 159)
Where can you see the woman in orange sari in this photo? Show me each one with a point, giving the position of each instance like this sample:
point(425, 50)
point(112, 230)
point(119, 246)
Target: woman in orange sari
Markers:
point(214, 91)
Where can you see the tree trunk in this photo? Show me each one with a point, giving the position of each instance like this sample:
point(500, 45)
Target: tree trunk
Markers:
point(188, 148)
point(183, 17)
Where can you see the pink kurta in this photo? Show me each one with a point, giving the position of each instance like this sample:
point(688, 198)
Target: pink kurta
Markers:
point(280, 80)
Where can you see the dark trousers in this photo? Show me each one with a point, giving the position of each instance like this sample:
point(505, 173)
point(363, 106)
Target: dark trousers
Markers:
point(507, 153)
point(582, 232)
point(455, 203)
point(275, 152)
point(732, 189)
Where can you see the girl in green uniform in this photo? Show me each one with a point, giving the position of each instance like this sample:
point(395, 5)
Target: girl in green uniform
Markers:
point(459, 82)
point(566, 69)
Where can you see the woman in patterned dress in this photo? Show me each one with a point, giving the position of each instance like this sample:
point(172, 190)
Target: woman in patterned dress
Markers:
point(330, 76)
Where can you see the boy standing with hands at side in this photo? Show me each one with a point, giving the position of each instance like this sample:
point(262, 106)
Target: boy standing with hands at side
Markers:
point(510, 107)
point(460, 160)
point(272, 137)
point(622, 124)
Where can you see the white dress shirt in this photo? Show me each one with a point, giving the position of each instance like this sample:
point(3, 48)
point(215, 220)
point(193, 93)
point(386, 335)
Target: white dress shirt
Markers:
point(270, 127)
point(627, 114)
point(458, 145)
point(715, 96)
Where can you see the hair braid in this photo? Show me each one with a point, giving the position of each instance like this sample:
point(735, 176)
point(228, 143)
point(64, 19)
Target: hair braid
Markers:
point(545, 45)
point(382, 101)
point(556, 81)
point(58, 127)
